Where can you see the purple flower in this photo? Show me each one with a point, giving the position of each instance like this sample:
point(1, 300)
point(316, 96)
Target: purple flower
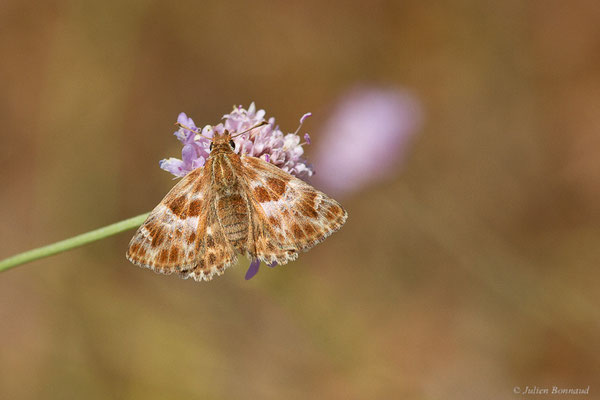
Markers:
point(366, 138)
point(194, 152)
point(266, 142)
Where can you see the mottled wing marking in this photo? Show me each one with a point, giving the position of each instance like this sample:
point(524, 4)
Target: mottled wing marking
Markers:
point(289, 215)
point(215, 253)
point(182, 233)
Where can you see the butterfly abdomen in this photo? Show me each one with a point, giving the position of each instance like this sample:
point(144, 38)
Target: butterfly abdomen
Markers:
point(232, 210)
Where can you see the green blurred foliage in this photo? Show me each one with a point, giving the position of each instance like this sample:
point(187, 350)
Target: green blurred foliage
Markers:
point(473, 271)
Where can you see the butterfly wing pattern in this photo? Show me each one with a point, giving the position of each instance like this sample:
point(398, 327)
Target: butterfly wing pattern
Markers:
point(290, 215)
point(182, 234)
point(234, 204)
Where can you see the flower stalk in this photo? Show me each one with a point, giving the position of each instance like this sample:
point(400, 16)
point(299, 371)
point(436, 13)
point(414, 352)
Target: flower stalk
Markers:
point(71, 243)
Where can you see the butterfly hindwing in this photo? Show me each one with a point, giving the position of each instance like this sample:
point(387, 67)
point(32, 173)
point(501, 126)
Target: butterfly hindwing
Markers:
point(215, 253)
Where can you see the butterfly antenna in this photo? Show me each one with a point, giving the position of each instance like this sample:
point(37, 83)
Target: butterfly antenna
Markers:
point(248, 130)
point(193, 130)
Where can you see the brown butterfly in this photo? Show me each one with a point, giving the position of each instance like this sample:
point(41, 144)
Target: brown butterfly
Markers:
point(233, 204)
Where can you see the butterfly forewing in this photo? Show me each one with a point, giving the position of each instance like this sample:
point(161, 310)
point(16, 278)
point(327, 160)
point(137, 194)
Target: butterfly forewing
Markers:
point(182, 234)
point(291, 215)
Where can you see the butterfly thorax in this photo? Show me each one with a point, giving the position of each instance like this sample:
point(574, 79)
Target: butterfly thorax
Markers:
point(221, 148)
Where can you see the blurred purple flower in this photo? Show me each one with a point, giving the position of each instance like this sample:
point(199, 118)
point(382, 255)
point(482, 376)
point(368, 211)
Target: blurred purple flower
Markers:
point(266, 142)
point(366, 138)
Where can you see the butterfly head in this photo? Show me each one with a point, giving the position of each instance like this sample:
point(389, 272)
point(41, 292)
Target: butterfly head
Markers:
point(222, 143)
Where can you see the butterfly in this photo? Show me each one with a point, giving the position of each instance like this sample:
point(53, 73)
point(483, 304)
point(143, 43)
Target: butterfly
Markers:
point(234, 204)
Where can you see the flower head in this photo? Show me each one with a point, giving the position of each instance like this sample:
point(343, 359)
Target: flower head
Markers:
point(267, 142)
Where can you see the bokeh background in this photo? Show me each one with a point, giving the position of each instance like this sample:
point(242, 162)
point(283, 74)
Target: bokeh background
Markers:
point(468, 266)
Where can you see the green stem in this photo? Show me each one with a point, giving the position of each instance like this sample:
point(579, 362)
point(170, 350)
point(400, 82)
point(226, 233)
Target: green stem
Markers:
point(73, 242)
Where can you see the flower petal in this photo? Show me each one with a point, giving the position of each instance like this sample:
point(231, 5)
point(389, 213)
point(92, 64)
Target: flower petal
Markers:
point(188, 154)
point(252, 269)
point(183, 119)
point(174, 166)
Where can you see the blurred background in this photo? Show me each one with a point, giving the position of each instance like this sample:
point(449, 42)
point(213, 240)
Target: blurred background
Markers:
point(469, 262)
